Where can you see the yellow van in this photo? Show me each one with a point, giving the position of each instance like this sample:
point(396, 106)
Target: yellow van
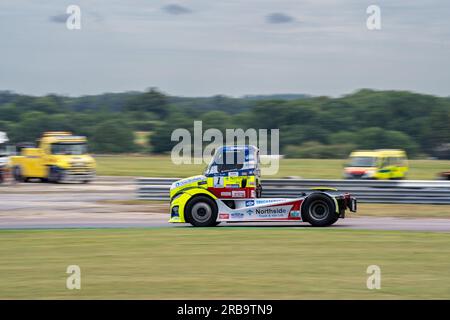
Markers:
point(380, 164)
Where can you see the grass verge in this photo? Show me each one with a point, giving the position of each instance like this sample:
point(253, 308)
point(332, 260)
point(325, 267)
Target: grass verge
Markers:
point(234, 263)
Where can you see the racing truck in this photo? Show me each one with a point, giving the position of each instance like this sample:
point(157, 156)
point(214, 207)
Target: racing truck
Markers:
point(230, 190)
point(60, 157)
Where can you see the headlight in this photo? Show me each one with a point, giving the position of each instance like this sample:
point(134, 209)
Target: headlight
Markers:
point(369, 173)
point(175, 211)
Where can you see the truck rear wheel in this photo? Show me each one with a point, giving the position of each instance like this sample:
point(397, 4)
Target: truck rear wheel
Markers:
point(201, 212)
point(319, 210)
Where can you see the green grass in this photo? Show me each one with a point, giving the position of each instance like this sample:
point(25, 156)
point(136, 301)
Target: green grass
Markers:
point(232, 262)
point(162, 166)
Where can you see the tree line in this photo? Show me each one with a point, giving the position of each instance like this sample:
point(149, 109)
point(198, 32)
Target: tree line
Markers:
point(310, 127)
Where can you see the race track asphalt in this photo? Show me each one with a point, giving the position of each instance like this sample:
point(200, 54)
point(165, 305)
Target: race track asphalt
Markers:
point(106, 204)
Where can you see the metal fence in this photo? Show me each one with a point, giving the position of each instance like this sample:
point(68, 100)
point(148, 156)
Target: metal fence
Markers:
point(370, 191)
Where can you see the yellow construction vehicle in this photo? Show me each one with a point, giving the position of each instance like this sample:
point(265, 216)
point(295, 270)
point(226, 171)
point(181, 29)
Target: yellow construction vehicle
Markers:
point(60, 157)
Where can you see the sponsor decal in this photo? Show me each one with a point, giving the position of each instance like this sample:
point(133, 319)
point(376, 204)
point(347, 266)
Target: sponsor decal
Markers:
point(249, 212)
point(188, 181)
point(233, 186)
point(273, 212)
point(295, 213)
point(233, 174)
point(238, 194)
point(252, 194)
point(237, 215)
point(249, 203)
point(224, 216)
point(270, 211)
point(266, 201)
point(225, 194)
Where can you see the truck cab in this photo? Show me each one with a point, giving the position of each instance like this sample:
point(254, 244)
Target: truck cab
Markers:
point(234, 172)
point(60, 156)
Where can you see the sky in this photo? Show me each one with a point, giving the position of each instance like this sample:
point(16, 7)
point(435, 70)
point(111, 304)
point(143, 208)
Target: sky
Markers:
point(231, 47)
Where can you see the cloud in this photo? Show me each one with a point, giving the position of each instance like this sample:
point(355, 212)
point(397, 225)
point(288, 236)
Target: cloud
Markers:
point(278, 17)
point(60, 18)
point(176, 9)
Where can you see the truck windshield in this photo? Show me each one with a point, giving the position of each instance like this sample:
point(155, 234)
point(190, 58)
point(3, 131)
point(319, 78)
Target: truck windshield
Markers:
point(230, 160)
point(363, 162)
point(69, 148)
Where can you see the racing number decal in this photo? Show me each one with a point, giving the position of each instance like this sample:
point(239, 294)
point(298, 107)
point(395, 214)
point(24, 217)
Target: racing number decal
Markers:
point(217, 182)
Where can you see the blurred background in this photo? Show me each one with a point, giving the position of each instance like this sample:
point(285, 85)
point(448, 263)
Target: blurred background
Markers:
point(136, 70)
point(298, 66)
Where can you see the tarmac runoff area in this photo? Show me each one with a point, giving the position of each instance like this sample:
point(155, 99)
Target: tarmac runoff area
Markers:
point(103, 204)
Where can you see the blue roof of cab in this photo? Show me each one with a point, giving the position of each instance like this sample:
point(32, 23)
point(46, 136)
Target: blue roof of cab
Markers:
point(238, 147)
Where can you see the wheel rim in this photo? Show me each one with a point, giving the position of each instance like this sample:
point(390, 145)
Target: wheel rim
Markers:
point(17, 174)
point(319, 210)
point(201, 212)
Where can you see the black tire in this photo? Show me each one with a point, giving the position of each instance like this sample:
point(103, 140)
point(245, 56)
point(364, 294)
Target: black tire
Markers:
point(54, 175)
point(201, 211)
point(17, 174)
point(319, 210)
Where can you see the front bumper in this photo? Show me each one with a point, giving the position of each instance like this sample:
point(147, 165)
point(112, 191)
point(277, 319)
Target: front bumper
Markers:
point(355, 176)
point(75, 175)
point(352, 204)
point(177, 205)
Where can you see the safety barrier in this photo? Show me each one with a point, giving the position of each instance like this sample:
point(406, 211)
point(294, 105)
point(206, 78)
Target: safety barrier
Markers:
point(370, 191)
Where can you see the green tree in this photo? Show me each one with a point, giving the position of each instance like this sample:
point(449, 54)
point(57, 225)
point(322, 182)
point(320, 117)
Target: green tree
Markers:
point(150, 101)
point(437, 132)
point(377, 138)
point(216, 119)
point(113, 136)
point(161, 137)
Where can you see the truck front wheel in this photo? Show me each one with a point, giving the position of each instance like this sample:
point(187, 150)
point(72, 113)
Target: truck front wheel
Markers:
point(55, 174)
point(201, 212)
point(319, 210)
point(17, 173)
